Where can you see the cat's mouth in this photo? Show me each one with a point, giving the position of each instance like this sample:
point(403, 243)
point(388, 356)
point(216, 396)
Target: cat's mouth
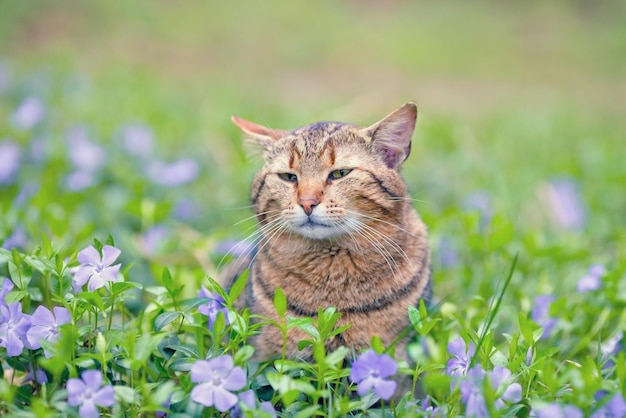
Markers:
point(317, 230)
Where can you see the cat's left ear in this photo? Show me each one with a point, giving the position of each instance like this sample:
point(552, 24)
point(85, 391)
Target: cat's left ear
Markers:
point(262, 135)
point(392, 135)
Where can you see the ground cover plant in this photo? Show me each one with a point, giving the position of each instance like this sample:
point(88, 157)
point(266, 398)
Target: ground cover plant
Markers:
point(122, 191)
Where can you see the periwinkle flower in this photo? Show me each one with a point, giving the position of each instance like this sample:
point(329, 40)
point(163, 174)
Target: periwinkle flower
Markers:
point(13, 326)
point(610, 348)
point(173, 174)
point(17, 239)
point(614, 408)
point(480, 202)
point(564, 203)
point(9, 161)
point(45, 326)
point(461, 359)
point(425, 409)
point(151, 241)
point(248, 399)
point(80, 180)
point(541, 314)
point(555, 410)
point(448, 254)
point(592, 280)
point(29, 113)
point(97, 269)
point(89, 393)
point(137, 139)
point(215, 304)
point(472, 394)
point(217, 379)
point(6, 286)
point(370, 371)
point(85, 155)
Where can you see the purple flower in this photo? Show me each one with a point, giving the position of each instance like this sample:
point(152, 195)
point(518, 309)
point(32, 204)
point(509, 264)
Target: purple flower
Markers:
point(472, 390)
point(29, 113)
point(614, 408)
point(592, 280)
point(7, 286)
point(9, 161)
point(448, 254)
point(248, 399)
point(151, 241)
point(610, 348)
point(480, 202)
point(214, 306)
point(85, 155)
point(89, 393)
point(564, 203)
point(235, 248)
point(186, 209)
point(554, 410)
point(370, 372)
point(541, 314)
point(13, 327)
point(95, 268)
point(459, 364)
point(217, 379)
point(137, 139)
point(36, 375)
point(425, 409)
point(45, 326)
point(17, 239)
point(173, 174)
point(80, 180)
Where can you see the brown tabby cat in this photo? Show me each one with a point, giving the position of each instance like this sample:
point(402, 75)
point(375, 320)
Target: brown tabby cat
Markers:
point(337, 228)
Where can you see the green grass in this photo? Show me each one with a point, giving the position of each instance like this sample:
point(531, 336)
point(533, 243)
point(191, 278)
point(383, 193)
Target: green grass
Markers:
point(510, 98)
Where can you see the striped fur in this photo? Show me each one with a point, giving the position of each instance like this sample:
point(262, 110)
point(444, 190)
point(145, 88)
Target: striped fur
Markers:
point(337, 228)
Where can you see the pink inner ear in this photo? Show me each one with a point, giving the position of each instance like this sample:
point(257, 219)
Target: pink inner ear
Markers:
point(252, 128)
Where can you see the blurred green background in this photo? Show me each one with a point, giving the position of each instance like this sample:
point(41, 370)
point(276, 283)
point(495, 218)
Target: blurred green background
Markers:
point(512, 95)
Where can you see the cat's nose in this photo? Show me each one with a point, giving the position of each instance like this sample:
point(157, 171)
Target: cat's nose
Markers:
point(308, 203)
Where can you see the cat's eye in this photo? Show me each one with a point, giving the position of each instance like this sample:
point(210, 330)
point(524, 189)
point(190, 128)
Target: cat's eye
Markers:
point(337, 174)
point(290, 177)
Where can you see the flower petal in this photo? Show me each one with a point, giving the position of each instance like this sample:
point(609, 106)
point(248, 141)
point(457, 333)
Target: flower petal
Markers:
point(384, 389)
point(105, 396)
point(62, 315)
point(89, 256)
point(236, 380)
point(92, 379)
point(201, 371)
point(96, 282)
point(109, 274)
point(42, 316)
point(204, 393)
point(224, 400)
point(83, 274)
point(75, 387)
point(109, 254)
point(513, 393)
point(89, 410)
point(36, 334)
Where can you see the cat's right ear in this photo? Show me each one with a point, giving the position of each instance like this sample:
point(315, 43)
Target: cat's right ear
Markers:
point(260, 134)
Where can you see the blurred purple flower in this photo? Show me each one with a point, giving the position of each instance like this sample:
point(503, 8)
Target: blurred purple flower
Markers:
point(215, 304)
point(17, 239)
point(554, 410)
point(137, 139)
point(186, 209)
point(480, 202)
point(248, 399)
point(80, 180)
point(615, 407)
point(151, 241)
point(217, 379)
point(95, 268)
point(84, 154)
point(13, 327)
point(89, 393)
point(36, 375)
point(562, 199)
point(6, 286)
point(9, 161)
point(461, 359)
point(173, 174)
point(472, 390)
point(541, 314)
point(610, 348)
point(425, 409)
point(29, 113)
point(592, 280)
point(448, 254)
point(45, 326)
point(370, 371)
point(529, 357)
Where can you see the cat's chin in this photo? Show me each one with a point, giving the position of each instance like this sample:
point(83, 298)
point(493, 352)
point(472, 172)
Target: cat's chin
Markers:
point(318, 231)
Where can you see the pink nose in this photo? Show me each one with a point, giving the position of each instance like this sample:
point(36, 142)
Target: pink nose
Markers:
point(308, 203)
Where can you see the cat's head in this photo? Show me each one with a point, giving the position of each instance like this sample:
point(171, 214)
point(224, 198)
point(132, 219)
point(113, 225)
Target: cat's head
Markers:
point(330, 179)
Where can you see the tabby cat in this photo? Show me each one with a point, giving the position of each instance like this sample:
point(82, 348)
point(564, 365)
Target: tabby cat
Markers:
point(337, 228)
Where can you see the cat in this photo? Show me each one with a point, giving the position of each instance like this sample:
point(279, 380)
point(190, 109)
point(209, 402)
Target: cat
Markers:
point(336, 229)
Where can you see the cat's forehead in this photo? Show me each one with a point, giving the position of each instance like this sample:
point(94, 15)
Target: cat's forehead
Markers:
point(317, 139)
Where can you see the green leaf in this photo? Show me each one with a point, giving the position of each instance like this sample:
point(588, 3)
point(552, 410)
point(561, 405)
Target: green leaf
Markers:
point(280, 302)
point(165, 319)
point(166, 278)
point(126, 394)
point(237, 288)
point(307, 412)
